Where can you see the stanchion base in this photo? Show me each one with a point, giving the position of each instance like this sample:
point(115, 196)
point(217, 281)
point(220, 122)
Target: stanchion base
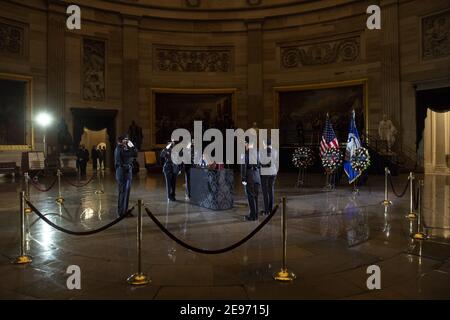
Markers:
point(138, 279)
point(420, 236)
point(99, 192)
point(386, 203)
point(411, 216)
point(22, 259)
point(284, 275)
point(28, 210)
point(59, 200)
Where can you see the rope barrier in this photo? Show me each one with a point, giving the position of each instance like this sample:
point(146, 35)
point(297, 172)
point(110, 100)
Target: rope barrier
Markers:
point(41, 189)
point(48, 214)
point(207, 251)
point(79, 185)
point(77, 233)
point(398, 195)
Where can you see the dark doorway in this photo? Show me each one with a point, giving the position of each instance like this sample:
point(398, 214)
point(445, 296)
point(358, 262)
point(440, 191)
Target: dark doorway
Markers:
point(13, 107)
point(96, 120)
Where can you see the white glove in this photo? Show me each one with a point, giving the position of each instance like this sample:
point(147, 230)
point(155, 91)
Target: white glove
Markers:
point(130, 144)
point(244, 183)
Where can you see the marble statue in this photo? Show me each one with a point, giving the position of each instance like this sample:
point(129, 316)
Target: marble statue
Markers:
point(135, 134)
point(387, 132)
point(65, 141)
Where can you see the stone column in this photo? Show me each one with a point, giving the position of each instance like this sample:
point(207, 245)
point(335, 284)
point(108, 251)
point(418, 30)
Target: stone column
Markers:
point(56, 25)
point(255, 110)
point(390, 62)
point(130, 78)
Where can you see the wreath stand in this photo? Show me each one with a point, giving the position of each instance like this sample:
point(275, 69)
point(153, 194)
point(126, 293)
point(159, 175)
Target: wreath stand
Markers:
point(330, 181)
point(355, 187)
point(301, 177)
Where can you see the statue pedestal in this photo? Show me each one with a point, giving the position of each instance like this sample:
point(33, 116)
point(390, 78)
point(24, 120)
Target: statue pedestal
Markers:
point(68, 162)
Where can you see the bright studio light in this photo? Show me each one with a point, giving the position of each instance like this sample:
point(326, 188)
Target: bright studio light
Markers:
point(44, 119)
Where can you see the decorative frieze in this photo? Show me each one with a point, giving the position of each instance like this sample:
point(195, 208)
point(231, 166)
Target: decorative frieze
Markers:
point(436, 36)
point(94, 69)
point(254, 2)
point(193, 3)
point(173, 59)
point(320, 53)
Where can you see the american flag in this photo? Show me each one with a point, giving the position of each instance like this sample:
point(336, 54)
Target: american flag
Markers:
point(329, 138)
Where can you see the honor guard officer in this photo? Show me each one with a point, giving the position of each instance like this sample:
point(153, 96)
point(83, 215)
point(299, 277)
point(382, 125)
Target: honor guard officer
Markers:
point(124, 154)
point(268, 176)
point(187, 171)
point(170, 170)
point(250, 176)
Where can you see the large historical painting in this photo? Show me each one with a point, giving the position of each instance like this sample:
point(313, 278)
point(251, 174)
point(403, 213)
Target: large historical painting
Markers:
point(13, 109)
point(302, 113)
point(94, 69)
point(173, 111)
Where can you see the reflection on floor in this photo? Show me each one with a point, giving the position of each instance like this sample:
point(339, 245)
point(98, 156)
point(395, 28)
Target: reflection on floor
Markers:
point(332, 238)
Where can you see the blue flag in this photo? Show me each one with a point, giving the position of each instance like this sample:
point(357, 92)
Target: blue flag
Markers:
point(353, 143)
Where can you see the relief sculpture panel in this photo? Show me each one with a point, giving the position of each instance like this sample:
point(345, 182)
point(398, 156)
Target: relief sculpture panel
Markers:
point(193, 59)
point(11, 40)
point(322, 53)
point(94, 69)
point(436, 36)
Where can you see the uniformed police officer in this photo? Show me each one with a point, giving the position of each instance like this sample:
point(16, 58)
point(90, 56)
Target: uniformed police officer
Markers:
point(187, 171)
point(124, 154)
point(268, 176)
point(170, 171)
point(250, 175)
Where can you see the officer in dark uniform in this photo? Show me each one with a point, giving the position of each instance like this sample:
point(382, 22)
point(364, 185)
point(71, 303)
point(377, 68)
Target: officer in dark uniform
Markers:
point(268, 176)
point(250, 175)
point(124, 154)
point(170, 170)
point(82, 160)
point(187, 172)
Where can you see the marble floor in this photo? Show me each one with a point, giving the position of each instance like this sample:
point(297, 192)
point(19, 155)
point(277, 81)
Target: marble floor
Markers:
point(332, 238)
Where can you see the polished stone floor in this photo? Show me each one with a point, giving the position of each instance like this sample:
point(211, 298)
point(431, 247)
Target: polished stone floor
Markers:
point(332, 238)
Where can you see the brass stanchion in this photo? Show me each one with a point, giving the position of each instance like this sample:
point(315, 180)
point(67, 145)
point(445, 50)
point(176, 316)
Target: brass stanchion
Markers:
point(139, 278)
point(386, 202)
point(27, 190)
point(23, 258)
point(420, 235)
point(59, 199)
point(284, 274)
point(411, 215)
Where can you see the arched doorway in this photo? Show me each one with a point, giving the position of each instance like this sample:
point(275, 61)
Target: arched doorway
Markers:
point(96, 139)
point(433, 129)
point(95, 120)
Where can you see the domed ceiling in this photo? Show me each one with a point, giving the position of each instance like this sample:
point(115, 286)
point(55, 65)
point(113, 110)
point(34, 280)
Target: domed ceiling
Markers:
point(211, 4)
point(211, 9)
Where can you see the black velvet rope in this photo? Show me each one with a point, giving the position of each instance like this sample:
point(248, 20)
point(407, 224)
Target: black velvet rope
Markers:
point(79, 185)
point(207, 251)
point(49, 214)
point(398, 195)
point(77, 233)
point(39, 188)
